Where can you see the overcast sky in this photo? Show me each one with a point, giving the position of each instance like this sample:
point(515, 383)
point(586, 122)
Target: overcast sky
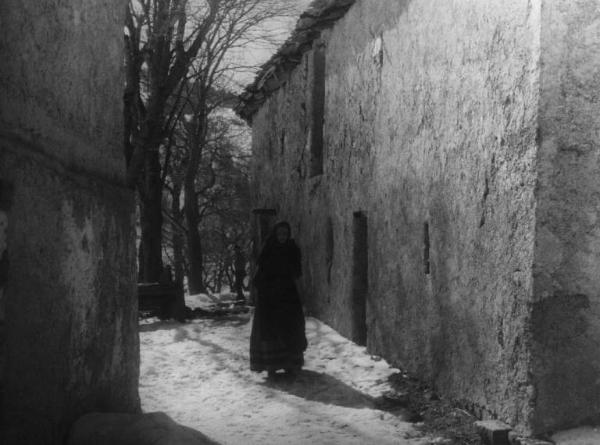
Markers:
point(258, 56)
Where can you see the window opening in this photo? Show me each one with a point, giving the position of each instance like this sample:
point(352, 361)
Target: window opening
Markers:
point(426, 249)
point(360, 278)
point(317, 109)
point(282, 142)
point(329, 245)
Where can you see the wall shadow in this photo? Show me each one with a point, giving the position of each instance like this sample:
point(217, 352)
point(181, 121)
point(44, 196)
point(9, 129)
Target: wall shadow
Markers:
point(318, 387)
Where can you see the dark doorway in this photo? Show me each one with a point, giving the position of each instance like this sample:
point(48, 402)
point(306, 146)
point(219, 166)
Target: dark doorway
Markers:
point(360, 278)
point(426, 249)
point(6, 192)
point(329, 247)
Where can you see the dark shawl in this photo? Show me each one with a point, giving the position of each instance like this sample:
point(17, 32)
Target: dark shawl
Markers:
point(279, 264)
point(277, 340)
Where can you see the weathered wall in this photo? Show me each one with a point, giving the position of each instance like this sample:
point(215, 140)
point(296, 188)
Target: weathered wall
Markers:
point(566, 306)
point(430, 117)
point(71, 342)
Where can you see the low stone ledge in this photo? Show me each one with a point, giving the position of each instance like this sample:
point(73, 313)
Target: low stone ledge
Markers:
point(529, 441)
point(493, 432)
point(133, 429)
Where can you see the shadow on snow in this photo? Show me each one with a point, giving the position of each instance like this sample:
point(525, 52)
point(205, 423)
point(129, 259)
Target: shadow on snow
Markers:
point(323, 388)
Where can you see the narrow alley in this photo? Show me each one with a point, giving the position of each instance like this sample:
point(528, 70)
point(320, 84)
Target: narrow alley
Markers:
point(391, 208)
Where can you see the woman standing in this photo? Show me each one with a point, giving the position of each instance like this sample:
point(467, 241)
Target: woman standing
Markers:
point(278, 340)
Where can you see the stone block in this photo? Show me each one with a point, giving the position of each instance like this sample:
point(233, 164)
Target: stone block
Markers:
point(493, 432)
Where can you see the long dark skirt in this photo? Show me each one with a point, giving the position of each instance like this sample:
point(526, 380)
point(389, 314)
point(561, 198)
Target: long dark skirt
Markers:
point(278, 338)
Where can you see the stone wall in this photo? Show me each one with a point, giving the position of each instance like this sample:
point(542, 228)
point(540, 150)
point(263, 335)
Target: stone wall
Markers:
point(566, 287)
point(434, 114)
point(70, 323)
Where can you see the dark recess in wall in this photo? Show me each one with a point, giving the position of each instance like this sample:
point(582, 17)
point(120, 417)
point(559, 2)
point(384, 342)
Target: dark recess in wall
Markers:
point(360, 277)
point(317, 110)
point(426, 249)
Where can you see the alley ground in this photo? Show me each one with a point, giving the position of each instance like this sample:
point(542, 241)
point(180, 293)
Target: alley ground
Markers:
point(198, 374)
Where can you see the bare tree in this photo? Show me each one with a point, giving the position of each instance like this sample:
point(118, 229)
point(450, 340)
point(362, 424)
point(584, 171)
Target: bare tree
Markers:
point(167, 43)
point(160, 47)
point(237, 24)
point(175, 232)
point(225, 208)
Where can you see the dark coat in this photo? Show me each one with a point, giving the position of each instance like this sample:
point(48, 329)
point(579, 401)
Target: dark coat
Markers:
point(278, 337)
point(279, 265)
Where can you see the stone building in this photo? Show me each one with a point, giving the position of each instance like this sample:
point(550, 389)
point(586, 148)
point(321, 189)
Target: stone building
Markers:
point(69, 314)
point(439, 163)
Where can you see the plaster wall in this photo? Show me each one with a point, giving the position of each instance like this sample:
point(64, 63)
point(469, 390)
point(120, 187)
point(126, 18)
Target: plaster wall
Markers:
point(566, 305)
point(70, 342)
point(431, 115)
point(61, 84)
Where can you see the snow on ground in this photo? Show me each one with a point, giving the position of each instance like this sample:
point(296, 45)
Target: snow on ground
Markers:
point(206, 301)
point(578, 436)
point(209, 302)
point(198, 373)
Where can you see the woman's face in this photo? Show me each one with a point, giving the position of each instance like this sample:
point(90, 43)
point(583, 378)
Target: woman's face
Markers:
point(282, 234)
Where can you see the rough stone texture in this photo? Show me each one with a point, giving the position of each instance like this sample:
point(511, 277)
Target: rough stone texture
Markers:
point(130, 429)
point(566, 301)
point(70, 339)
point(62, 80)
point(434, 114)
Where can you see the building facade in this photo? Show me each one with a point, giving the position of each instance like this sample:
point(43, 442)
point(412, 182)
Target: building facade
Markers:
point(68, 309)
point(439, 164)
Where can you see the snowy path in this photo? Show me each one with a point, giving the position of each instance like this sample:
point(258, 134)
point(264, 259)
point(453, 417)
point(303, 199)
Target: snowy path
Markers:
point(198, 374)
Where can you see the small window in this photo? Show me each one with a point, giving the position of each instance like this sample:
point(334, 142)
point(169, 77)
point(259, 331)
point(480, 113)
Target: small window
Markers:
point(6, 196)
point(329, 245)
point(426, 249)
point(282, 142)
point(317, 108)
point(360, 278)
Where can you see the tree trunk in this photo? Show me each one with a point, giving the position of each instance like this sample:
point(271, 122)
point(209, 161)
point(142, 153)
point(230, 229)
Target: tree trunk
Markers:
point(194, 242)
point(219, 284)
point(178, 257)
point(192, 215)
point(194, 254)
point(140, 259)
point(178, 266)
point(177, 214)
point(177, 245)
point(229, 276)
point(240, 272)
point(151, 220)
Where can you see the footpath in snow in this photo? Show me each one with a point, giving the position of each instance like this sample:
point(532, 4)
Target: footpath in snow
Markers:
point(198, 373)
